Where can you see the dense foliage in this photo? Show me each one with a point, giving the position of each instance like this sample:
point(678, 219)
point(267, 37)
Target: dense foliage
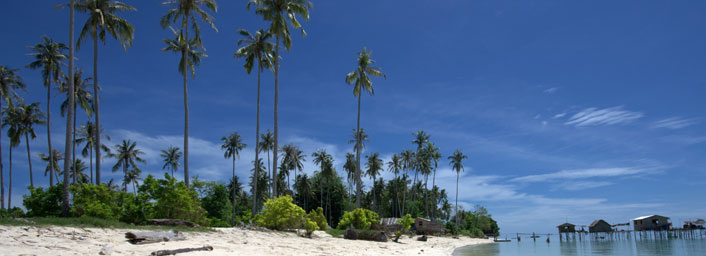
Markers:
point(280, 213)
point(317, 216)
point(360, 218)
point(475, 223)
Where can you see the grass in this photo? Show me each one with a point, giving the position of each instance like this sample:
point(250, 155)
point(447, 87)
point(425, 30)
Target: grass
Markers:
point(92, 222)
point(336, 232)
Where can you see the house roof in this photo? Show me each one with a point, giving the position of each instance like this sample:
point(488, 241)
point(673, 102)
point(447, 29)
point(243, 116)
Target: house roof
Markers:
point(649, 216)
point(566, 224)
point(595, 222)
point(421, 219)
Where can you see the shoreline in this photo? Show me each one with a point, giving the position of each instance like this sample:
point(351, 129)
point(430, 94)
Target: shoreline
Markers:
point(56, 240)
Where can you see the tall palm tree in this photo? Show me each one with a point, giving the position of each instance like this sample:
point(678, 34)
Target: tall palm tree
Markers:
point(359, 137)
point(293, 160)
point(82, 98)
point(103, 17)
point(86, 134)
point(127, 156)
point(328, 173)
point(360, 79)
point(261, 192)
point(65, 204)
point(435, 155)
point(52, 163)
point(12, 120)
point(49, 57)
point(374, 165)
point(171, 157)
point(322, 159)
point(456, 162)
point(349, 166)
point(185, 12)
point(278, 12)
point(394, 166)
point(420, 139)
point(257, 48)
point(10, 81)
point(29, 115)
point(233, 144)
point(267, 144)
point(407, 157)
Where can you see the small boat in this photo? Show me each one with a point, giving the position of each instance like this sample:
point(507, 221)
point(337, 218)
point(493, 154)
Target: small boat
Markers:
point(501, 240)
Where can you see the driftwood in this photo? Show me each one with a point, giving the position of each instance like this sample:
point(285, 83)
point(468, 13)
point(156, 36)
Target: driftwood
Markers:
point(172, 222)
point(422, 238)
point(183, 250)
point(153, 237)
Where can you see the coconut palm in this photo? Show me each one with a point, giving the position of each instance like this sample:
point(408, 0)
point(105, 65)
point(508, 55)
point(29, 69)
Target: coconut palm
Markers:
point(349, 166)
point(435, 155)
point(12, 119)
point(360, 79)
point(56, 158)
point(103, 19)
point(456, 162)
point(374, 165)
point(87, 134)
point(277, 12)
point(328, 173)
point(49, 57)
point(359, 137)
point(82, 98)
point(267, 144)
point(293, 160)
point(29, 115)
point(132, 177)
point(10, 81)
point(171, 157)
point(420, 139)
point(78, 167)
point(257, 48)
point(303, 185)
point(186, 12)
point(65, 204)
point(232, 145)
point(127, 156)
point(394, 166)
point(407, 157)
point(323, 159)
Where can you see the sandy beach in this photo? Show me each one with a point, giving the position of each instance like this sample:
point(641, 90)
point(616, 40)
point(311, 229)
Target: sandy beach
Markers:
point(31, 240)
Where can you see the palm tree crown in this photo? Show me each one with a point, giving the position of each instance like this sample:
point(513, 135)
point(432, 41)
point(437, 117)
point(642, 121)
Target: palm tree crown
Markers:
point(171, 158)
point(193, 51)
point(49, 56)
point(360, 77)
point(278, 11)
point(184, 10)
point(127, 157)
point(256, 48)
point(10, 81)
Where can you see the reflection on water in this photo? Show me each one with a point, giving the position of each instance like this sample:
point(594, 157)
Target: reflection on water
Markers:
point(590, 247)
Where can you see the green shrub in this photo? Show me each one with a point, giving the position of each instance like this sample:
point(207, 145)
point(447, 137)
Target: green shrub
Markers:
point(406, 222)
point(173, 200)
point(280, 213)
point(15, 212)
point(41, 203)
point(135, 209)
point(96, 201)
point(360, 218)
point(310, 226)
point(217, 204)
point(318, 217)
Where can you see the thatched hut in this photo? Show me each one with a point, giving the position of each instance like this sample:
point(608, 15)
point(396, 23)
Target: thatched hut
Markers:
point(599, 226)
point(567, 228)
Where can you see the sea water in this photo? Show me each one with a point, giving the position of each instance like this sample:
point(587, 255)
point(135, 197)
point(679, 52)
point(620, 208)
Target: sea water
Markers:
point(588, 247)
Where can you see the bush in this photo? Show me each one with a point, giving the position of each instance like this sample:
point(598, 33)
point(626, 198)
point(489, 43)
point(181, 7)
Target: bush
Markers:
point(15, 212)
point(135, 209)
point(360, 218)
point(217, 204)
point(318, 217)
point(406, 222)
point(280, 213)
point(173, 200)
point(41, 203)
point(96, 201)
point(310, 227)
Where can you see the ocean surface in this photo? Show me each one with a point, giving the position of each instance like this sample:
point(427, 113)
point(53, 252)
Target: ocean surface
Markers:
point(595, 247)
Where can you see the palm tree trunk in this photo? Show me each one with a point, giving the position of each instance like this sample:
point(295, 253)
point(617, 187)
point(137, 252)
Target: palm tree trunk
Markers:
point(232, 217)
point(96, 109)
point(433, 184)
point(274, 154)
point(358, 188)
point(328, 203)
point(426, 195)
point(186, 110)
point(90, 159)
point(134, 191)
point(125, 176)
point(257, 145)
point(269, 173)
point(9, 183)
point(73, 143)
point(2, 175)
point(51, 165)
point(374, 206)
point(69, 117)
point(29, 160)
point(404, 194)
point(321, 189)
point(397, 196)
point(456, 208)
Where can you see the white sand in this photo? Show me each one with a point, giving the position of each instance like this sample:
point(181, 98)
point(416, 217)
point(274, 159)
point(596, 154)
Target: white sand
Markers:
point(29, 240)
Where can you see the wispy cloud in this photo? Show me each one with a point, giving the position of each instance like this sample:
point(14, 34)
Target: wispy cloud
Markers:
point(607, 116)
point(674, 123)
point(582, 185)
point(551, 90)
point(582, 174)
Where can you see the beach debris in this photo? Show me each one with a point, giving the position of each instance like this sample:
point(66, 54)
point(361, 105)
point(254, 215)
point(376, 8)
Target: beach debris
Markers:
point(154, 237)
point(381, 237)
point(25, 221)
point(422, 238)
point(172, 222)
point(106, 250)
point(183, 250)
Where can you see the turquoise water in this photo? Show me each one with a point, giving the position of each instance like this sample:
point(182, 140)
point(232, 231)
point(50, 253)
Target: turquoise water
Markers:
point(601, 247)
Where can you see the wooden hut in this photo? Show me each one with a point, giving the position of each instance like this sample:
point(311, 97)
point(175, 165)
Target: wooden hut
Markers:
point(567, 228)
point(651, 222)
point(424, 226)
point(391, 224)
point(599, 226)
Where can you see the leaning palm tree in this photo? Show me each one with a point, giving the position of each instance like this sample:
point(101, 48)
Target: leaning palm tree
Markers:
point(374, 165)
point(82, 98)
point(267, 144)
point(170, 157)
point(52, 163)
point(359, 137)
point(232, 145)
point(49, 57)
point(29, 115)
point(10, 81)
point(394, 166)
point(456, 162)
point(185, 12)
point(11, 120)
point(103, 17)
point(360, 79)
point(257, 48)
point(127, 156)
point(86, 134)
point(278, 12)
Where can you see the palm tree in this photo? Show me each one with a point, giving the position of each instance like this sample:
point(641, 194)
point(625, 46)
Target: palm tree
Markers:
point(49, 56)
point(83, 98)
point(132, 176)
point(293, 159)
point(323, 159)
point(257, 48)
point(329, 172)
point(359, 137)
point(262, 178)
point(171, 158)
point(456, 162)
point(267, 144)
point(407, 157)
point(185, 12)
point(420, 139)
point(67, 141)
point(86, 134)
point(435, 155)
point(78, 167)
point(233, 144)
point(278, 12)
point(374, 165)
point(29, 115)
point(127, 157)
point(103, 17)
point(9, 82)
point(303, 185)
point(12, 120)
point(394, 166)
point(54, 163)
point(360, 79)
point(349, 166)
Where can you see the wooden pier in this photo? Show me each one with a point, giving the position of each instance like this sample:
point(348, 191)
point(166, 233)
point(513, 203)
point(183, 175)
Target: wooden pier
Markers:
point(684, 234)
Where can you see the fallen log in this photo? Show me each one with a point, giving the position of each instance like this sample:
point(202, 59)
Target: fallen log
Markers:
point(153, 237)
point(174, 252)
point(172, 222)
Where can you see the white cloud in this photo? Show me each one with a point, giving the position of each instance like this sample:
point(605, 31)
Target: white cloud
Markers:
point(582, 174)
point(582, 185)
point(551, 90)
point(674, 123)
point(607, 116)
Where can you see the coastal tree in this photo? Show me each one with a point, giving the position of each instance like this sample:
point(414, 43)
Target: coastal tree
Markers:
point(10, 82)
point(186, 13)
point(233, 144)
point(407, 157)
point(374, 165)
point(11, 120)
point(394, 166)
point(170, 157)
point(52, 162)
point(349, 167)
point(292, 160)
point(456, 162)
point(82, 98)
point(127, 156)
point(87, 134)
point(28, 116)
point(266, 144)
point(360, 79)
point(78, 167)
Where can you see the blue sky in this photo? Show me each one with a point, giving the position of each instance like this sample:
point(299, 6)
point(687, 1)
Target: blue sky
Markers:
point(567, 110)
